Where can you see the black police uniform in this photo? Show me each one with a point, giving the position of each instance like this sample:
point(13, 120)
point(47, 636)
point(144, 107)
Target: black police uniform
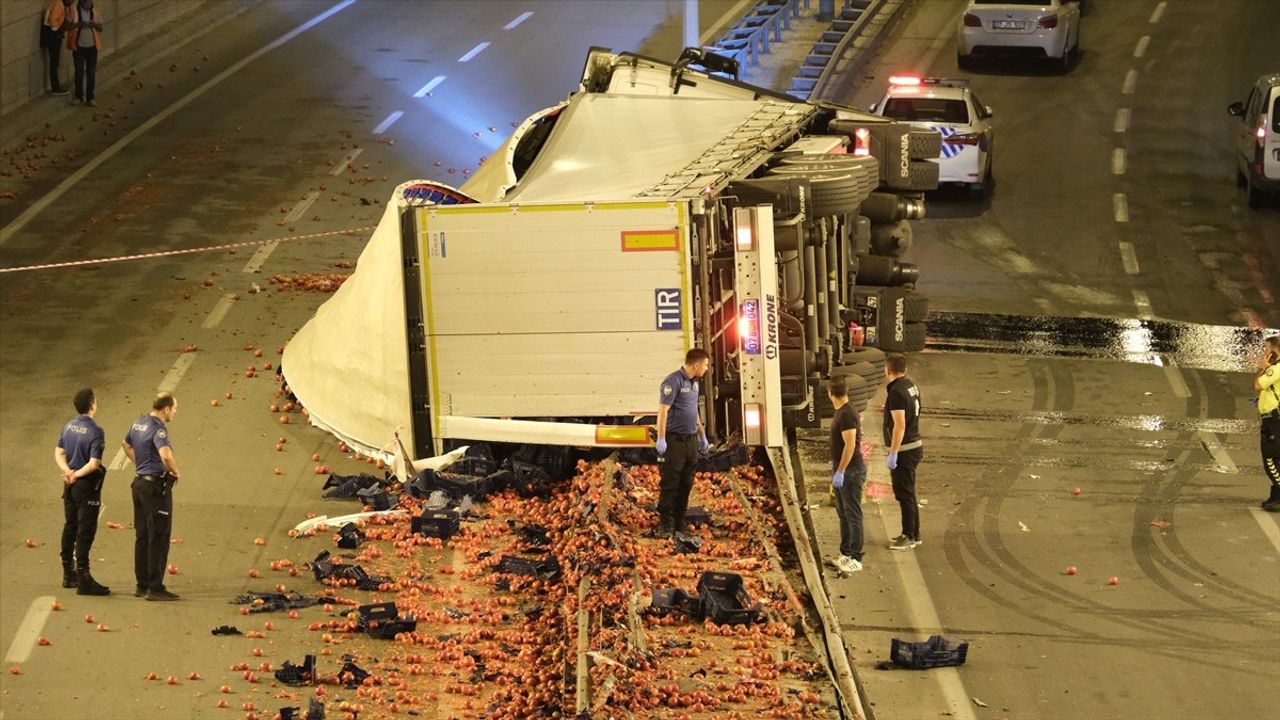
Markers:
point(904, 395)
point(82, 440)
point(849, 494)
point(152, 503)
point(679, 392)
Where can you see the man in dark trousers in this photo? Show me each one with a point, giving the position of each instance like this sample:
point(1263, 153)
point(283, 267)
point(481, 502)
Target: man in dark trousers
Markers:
point(79, 457)
point(148, 446)
point(681, 438)
point(903, 445)
point(849, 472)
point(53, 28)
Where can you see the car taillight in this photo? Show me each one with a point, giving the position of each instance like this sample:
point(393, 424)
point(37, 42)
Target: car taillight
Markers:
point(862, 142)
point(1261, 134)
point(971, 20)
point(1048, 22)
point(968, 139)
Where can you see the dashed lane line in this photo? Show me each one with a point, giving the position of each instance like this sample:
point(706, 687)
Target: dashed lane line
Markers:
point(1267, 521)
point(479, 48)
point(1144, 304)
point(1128, 258)
point(24, 641)
point(219, 311)
point(1122, 120)
point(174, 376)
point(431, 85)
point(1120, 206)
point(117, 462)
point(346, 161)
point(259, 257)
point(391, 120)
point(72, 180)
point(1158, 12)
point(300, 208)
point(1117, 161)
point(1130, 82)
point(519, 19)
point(1141, 48)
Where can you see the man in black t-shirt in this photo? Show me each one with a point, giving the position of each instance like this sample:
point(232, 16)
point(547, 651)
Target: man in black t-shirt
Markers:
point(849, 472)
point(903, 446)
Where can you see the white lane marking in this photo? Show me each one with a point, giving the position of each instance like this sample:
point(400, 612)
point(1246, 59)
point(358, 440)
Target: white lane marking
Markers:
point(300, 208)
point(117, 462)
point(519, 19)
point(1158, 12)
point(924, 618)
point(431, 85)
point(342, 165)
point(1141, 48)
point(1267, 521)
point(391, 120)
point(219, 311)
point(1128, 258)
point(1120, 204)
point(1122, 120)
point(260, 257)
point(473, 52)
point(24, 641)
point(72, 180)
point(1144, 305)
point(1117, 161)
point(180, 367)
point(1219, 453)
point(1130, 82)
point(1176, 381)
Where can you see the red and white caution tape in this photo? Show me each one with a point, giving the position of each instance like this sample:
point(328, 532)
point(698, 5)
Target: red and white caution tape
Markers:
point(187, 251)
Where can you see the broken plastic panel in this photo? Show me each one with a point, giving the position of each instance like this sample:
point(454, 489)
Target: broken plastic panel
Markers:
point(349, 536)
point(547, 568)
point(298, 675)
point(937, 651)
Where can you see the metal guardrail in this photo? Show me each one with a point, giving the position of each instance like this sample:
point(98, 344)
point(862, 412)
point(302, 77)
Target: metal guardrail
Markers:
point(820, 65)
point(750, 36)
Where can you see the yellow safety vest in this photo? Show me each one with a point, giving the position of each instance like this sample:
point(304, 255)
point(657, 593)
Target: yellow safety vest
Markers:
point(1269, 398)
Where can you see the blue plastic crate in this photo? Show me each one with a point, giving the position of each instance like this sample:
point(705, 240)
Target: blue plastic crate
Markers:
point(937, 651)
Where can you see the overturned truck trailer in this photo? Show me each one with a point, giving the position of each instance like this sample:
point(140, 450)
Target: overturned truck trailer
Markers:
point(656, 209)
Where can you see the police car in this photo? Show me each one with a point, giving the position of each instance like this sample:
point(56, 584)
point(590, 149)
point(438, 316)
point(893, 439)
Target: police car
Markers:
point(948, 106)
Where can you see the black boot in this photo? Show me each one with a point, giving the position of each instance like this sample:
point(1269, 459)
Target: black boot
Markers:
point(69, 577)
point(1272, 503)
point(86, 585)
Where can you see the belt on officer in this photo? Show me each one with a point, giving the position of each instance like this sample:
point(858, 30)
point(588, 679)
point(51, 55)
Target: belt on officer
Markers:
point(154, 478)
point(911, 445)
point(683, 436)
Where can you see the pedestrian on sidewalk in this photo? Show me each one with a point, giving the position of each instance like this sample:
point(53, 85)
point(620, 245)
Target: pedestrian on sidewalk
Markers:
point(1267, 383)
point(903, 446)
point(849, 474)
point(84, 39)
point(681, 439)
point(53, 27)
point(79, 457)
point(148, 446)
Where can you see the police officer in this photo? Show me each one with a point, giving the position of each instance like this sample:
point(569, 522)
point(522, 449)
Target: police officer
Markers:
point(681, 438)
point(79, 456)
point(1267, 383)
point(148, 446)
point(903, 445)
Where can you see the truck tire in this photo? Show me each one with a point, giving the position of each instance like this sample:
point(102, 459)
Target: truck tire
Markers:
point(914, 337)
point(924, 144)
point(916, 308)
point(860, 354)
point(921, 175)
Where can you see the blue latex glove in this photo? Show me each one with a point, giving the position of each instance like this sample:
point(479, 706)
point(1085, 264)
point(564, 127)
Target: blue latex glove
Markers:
point(661, 446)
point(704, 447)
point(837, 480)
point(891, 461)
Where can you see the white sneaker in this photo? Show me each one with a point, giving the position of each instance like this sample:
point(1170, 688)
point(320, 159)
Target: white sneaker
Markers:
point(846, 564)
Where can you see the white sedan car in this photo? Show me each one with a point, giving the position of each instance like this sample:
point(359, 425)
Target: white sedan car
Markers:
point(1038, 29)
point(949, 107)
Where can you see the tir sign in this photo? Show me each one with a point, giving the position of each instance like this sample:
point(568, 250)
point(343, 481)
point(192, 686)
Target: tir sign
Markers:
point(749, 326)
point(667, 308)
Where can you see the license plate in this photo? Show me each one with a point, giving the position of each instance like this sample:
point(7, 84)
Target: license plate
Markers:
point(1008, 25)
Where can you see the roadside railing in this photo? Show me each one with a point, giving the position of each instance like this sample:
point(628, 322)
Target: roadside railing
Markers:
point(848, 31)
point(751, 35)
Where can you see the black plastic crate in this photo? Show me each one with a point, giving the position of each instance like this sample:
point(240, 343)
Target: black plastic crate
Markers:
point(384, 621)
point(725, 600)
point(937, 651)
point(441, 524)
point(452, 485)
point(349, 536)
point(667, 599)
point(545, 568)
point(697, 516)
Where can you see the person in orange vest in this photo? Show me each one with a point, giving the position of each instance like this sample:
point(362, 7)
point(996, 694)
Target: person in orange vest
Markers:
point(52, 28)
point(84, 39)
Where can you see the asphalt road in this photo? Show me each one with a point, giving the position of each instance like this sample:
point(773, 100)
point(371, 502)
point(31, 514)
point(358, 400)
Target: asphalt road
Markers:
point(287, 144)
